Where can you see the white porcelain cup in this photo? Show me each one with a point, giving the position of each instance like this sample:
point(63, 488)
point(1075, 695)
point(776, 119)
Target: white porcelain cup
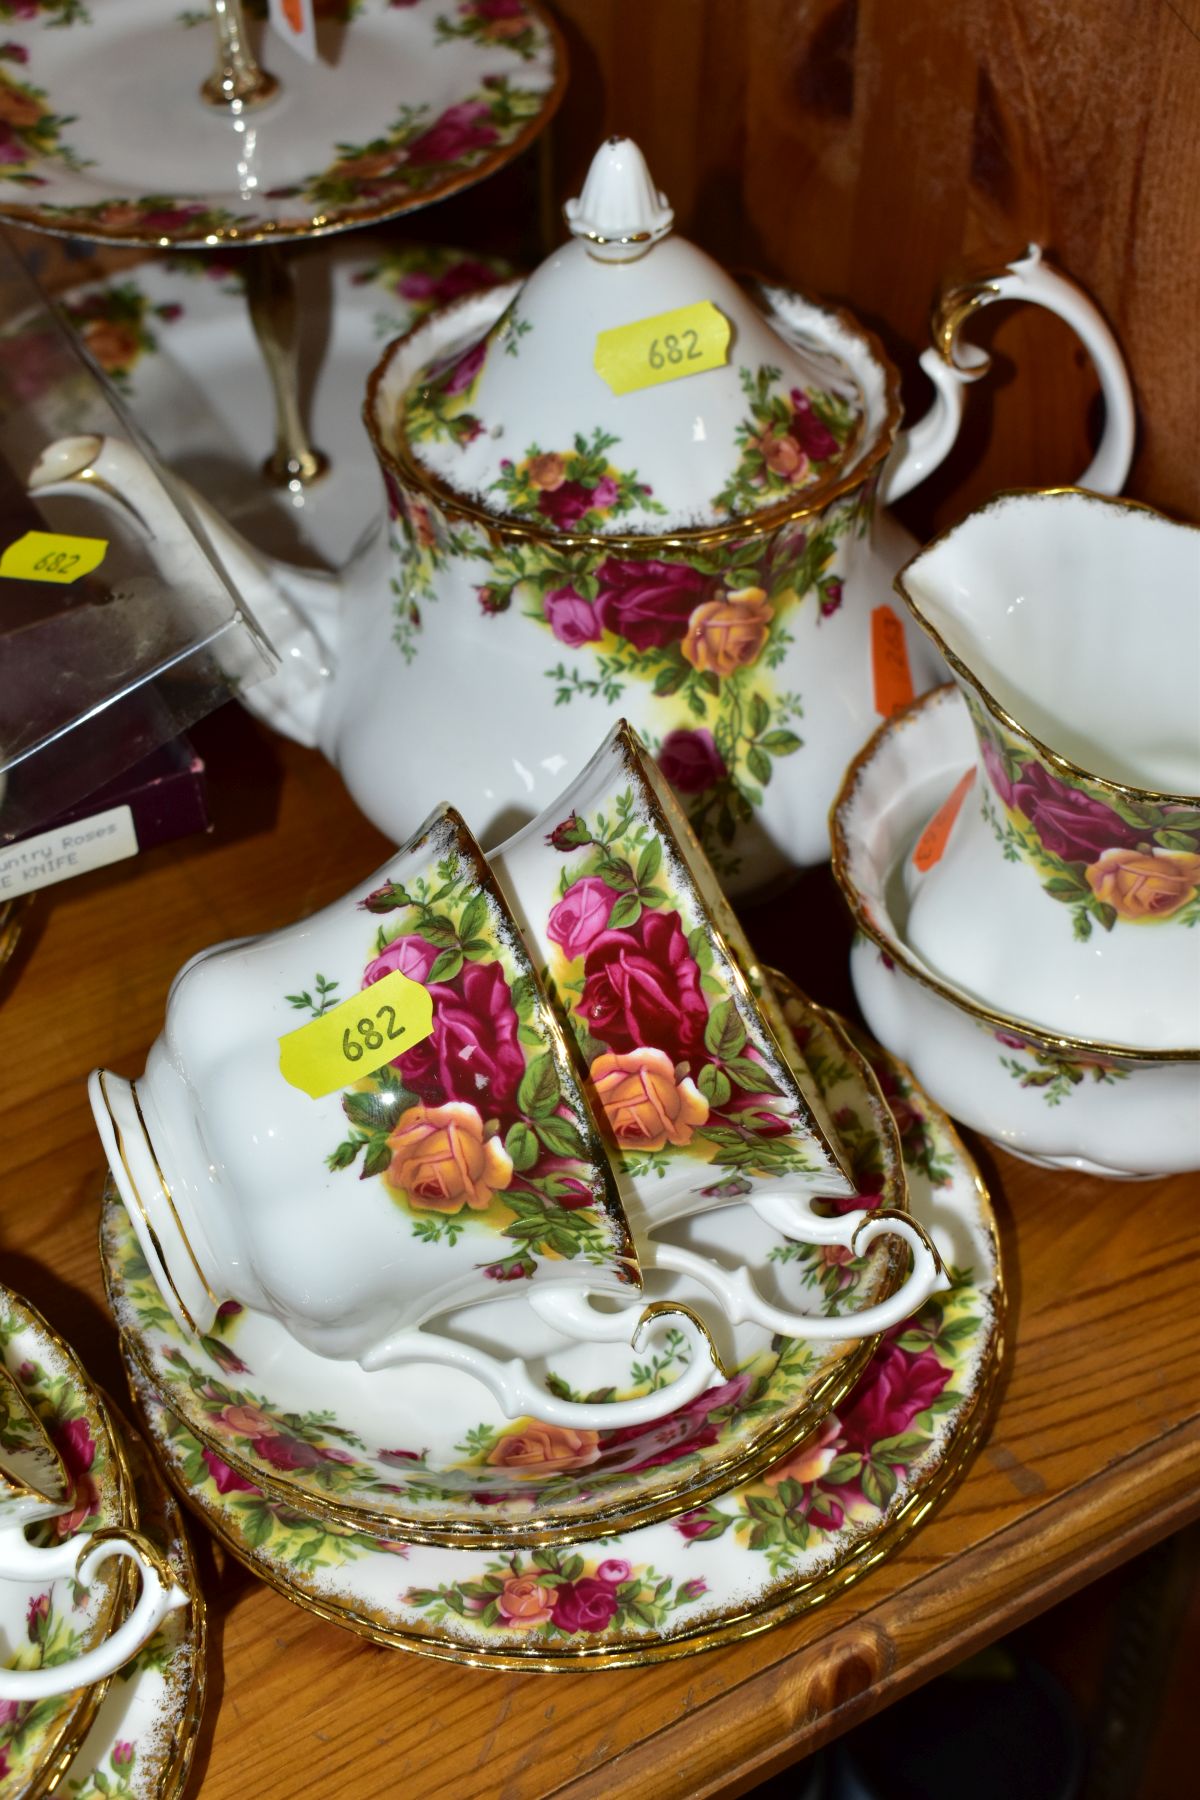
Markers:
point(81, 1558)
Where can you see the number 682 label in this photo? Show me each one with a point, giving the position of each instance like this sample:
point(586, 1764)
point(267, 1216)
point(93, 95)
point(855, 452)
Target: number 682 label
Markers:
point(357, 1037)
point(663, 348)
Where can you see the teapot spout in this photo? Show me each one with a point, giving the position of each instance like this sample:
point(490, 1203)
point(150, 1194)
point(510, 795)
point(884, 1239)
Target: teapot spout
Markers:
point(296, 611)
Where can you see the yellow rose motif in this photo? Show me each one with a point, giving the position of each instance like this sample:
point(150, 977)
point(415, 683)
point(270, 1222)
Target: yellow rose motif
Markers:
point(541, 1449)
point(523, 1602)
point(17, 108)
point(646, 1105)
point(547, 471)
point(442, 1161)
point(728, 634)
point(1144, 884)
point(783, 456)
point(113, 346)
point(809, 1460)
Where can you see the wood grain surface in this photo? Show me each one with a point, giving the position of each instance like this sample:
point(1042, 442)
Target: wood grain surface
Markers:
point(862, 149)
point(1094, 1452)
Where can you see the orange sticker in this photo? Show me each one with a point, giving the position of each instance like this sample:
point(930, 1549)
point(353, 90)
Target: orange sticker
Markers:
point(931, 845)
point(889, 663)
point(295, 22)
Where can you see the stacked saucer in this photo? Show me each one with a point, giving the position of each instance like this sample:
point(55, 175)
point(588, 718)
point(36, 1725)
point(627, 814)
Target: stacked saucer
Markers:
point(134, 1735)
point(1027, 912)
point(681, 1567)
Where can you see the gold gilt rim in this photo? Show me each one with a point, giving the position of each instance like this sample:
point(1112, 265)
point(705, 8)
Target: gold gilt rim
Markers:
point(175, 1771)
point(1126, 790)
point(824, 1396)
point(280, 231)
point(501, 527)
point(894, 947)
point(143, 1215)
point(63, 1746)
point(860, 1559)
point(952, 310)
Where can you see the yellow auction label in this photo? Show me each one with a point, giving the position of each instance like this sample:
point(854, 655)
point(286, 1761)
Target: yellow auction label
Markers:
point(664, 348)
point(52, 556)
point(357, 1037)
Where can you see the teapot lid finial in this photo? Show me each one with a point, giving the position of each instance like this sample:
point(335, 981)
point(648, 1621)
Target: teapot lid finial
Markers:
point(620, 211)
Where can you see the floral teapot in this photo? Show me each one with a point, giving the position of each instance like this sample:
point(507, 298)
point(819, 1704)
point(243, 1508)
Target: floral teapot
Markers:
point(626, 486)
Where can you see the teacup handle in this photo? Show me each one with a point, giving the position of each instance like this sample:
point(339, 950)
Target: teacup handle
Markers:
point(567, 1308)
point(83, 1556)
point(739, 1298)
point(952, 364)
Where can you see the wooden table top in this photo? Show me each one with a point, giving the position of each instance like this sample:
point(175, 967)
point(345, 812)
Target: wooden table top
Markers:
point(1094, 1451)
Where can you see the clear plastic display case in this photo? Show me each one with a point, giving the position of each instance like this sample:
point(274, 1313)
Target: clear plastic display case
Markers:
point(98, 673)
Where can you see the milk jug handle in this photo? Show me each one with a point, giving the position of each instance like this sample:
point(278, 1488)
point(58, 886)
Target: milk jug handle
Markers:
point(952, 364)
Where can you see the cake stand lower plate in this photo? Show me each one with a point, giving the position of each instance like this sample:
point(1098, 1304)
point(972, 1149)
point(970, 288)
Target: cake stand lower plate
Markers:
point(174, 338)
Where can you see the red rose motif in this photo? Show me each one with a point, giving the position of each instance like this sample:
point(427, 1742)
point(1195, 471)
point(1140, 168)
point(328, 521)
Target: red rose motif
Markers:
point(73, 1441)
point(467, 276)
point(227, 1480)
point(899, 1385)
point(650, 602)
point(692, 1427)
point(283, 1451)
point(225, 1358)
point(569, 834)
point(815, 439)
point(584, 1605)
point(566, 504)
point(642, 988)
point(460, 130)
point(693, 1525)
point(1069, 823)
point(691, 761)
point(474, 1054)
point(997, 773)
point(463, 372)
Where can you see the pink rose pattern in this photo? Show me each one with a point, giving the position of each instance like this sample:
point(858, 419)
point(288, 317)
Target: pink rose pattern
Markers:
point(570, 490)
point(790, 441)
point(1108, 858)
point(504, 1098)
point(506, 22)
point(630, 973)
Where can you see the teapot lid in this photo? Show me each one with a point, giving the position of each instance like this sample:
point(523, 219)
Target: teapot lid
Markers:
point(576, 410)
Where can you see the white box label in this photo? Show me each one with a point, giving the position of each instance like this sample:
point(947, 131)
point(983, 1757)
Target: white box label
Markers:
point(68, 850)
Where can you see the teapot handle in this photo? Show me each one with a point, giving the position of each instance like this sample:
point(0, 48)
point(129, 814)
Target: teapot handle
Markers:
point(952, 364)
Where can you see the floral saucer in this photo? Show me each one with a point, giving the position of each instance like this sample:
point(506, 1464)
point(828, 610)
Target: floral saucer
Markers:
point(174, 338)
point(371, 1453)
point(141, 1743)
point(747, 1559)
point(405, 104)
point(49, 1621)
